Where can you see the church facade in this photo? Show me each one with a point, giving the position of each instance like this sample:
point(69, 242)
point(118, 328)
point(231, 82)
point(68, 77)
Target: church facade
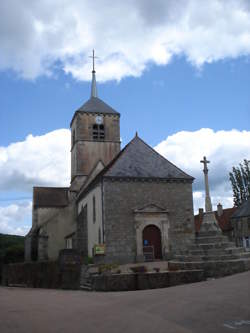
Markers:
point(121, 206)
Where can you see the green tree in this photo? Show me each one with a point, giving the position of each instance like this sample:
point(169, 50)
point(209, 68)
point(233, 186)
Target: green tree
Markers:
point(240, 181)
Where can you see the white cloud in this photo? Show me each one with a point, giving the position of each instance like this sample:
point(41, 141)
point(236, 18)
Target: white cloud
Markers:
point(224, 149)
point(45, 160)
point(39, 160)
point(15, 218)
point(37, 36)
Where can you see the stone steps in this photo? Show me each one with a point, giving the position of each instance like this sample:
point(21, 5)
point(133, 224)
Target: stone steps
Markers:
point(211, 239)
point(209, 234)
point(213, 253)
point(209, 257)
point(208, 246)
point(213, 268)
point(86, 286)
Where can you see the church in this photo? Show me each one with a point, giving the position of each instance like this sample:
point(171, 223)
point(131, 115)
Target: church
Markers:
point(122, 206)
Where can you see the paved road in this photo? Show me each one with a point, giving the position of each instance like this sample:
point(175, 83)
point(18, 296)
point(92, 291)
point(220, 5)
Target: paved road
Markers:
point(221, 305)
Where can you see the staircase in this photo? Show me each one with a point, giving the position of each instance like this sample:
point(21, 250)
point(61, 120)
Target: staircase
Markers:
point(85, 279)
point(213, 253)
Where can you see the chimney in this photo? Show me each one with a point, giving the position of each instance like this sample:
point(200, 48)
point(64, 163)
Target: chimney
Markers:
point(219, 209)
point(201, 212)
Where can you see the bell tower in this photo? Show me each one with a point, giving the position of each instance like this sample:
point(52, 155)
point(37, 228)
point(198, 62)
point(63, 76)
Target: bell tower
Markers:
point(95, 136)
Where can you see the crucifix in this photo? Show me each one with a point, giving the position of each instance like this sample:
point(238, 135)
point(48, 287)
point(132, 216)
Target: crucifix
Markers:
point(205, 162)
point(93, 60)
point(208, 204)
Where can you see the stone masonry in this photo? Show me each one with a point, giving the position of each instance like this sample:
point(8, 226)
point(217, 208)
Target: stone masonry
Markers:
point(122, 197)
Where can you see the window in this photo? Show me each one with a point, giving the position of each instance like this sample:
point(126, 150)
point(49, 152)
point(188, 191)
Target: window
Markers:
point(98, 132)
point(94, 210)
point(69, 243)
point(99, 236)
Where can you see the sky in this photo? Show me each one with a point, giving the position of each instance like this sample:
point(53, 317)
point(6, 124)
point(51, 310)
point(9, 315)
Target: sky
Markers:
point(177, 71)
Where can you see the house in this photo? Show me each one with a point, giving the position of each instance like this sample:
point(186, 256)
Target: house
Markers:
point(223, 217)
point(241, 224)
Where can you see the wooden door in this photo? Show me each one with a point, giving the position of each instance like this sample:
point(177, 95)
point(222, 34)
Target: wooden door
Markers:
point(152, 237)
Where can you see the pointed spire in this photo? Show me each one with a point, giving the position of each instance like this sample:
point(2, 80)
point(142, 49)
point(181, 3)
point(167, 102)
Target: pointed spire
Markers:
point(93, 84)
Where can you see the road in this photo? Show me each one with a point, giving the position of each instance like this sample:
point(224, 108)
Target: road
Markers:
point(221, 305)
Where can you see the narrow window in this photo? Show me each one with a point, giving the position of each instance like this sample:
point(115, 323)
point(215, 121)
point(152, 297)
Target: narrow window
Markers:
point(94, 210)
point(99, 236)
point(69, 243)
point(98, 132)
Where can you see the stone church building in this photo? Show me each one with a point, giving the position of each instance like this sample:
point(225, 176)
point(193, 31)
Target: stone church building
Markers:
point(121, 206)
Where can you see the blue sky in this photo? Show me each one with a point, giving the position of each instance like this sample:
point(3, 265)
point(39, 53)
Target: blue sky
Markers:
point(163, 101)
point(179, 74)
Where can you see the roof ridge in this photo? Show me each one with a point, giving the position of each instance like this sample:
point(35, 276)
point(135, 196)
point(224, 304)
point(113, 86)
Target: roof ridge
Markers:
point(164, 158)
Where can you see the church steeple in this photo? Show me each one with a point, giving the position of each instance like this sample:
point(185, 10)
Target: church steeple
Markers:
point(95, 133)
point(93, 84)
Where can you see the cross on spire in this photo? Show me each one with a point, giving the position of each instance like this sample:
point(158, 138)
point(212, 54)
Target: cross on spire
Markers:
point(93, 60)
point(205, 162)
point(93, 84)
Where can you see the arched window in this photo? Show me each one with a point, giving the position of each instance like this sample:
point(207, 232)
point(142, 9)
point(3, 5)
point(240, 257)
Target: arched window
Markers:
point(98, 132)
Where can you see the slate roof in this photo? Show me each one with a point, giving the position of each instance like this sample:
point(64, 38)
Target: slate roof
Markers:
point(139, 160)
point(50, 196)
point(96, 105)
point(243, 210)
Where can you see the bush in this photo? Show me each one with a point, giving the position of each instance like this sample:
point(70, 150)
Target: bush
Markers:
point(13, 254)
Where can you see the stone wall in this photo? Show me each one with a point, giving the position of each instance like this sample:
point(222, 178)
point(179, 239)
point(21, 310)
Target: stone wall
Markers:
point(94, 228)
point(142, 281)
point(82, 232)
point(57, 228)
point(121, 198)
point(85, 152)
point(241, 229)
point(46, 274)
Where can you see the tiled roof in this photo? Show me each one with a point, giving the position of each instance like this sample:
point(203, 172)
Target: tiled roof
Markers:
point(50, 196)
point(223, 220)
point(243, 210)
point(96, 105)
point(139, 160)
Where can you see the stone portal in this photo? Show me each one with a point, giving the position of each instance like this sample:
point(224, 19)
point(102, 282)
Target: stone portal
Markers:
point(152, 242)
point(151, 225)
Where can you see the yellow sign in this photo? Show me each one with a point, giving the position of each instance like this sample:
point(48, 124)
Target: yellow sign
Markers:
point(99, 249)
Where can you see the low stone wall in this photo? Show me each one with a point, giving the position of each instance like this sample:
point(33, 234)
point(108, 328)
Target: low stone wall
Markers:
point(214, 269)
point(47, 274)
point(141, 281)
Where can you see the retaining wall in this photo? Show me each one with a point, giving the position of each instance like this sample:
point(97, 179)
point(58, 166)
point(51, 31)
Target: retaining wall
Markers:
point(141, 281)
point(48, 274)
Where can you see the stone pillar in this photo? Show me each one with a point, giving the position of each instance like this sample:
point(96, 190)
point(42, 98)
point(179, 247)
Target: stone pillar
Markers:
point(208, 204)
point(209, 222)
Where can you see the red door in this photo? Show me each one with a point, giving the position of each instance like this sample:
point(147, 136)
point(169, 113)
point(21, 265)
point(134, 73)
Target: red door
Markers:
point(152, 237)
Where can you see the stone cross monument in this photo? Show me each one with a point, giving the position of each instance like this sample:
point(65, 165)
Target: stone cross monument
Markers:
point(208, 204)
point(209, 222)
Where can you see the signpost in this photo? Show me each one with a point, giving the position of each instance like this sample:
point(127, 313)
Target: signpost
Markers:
point(99, 249)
